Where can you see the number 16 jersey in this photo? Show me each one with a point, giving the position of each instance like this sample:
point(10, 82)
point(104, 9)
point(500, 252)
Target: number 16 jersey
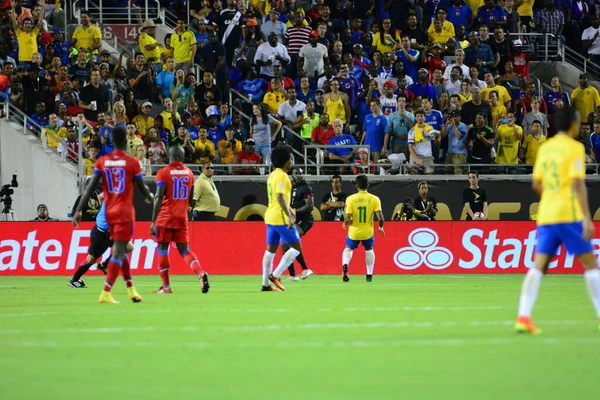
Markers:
point(363, 206)
point(178, 181)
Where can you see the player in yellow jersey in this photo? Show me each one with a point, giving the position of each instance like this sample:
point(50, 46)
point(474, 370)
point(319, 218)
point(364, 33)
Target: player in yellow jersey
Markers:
point(563, 214)
point(279, 220)
point(358, 217)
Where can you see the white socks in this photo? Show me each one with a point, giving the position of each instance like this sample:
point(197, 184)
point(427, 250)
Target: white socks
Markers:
point(529, 292)
point(267, 267)
point(370, 260)
point(285, 262)
point(346, 256)
point(592, 278)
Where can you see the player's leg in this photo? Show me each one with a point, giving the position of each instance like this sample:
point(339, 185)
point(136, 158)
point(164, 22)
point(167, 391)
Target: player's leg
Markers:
point(306, 272)
point(291, 238)
point(369, 257)
point(75, 281)
point(114, 266)
point(163, 268)
point(126, 271)
point(103, 266)
point(291, 268)
point(592, 280)
point(99, 242)
point(192, 260)
point(548, 243)
point(347, 256)
point(273, 239)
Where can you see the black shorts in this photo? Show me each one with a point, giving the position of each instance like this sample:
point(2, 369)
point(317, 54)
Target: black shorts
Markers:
point(99, 242)
point(305, 225)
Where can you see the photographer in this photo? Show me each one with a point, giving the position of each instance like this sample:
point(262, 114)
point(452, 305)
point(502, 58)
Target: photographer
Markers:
point(408, 212)
point(229, 146)
point(425, 204)
point(42, 212)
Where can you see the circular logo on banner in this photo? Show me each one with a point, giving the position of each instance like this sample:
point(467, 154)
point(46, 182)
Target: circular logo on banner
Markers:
point(423, 249)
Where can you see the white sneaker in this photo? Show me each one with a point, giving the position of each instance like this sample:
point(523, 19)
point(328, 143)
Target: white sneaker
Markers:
point(293, 279)
point(306, 273)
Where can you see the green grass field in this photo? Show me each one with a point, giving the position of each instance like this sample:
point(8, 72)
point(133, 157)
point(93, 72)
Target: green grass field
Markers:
point(424, 337)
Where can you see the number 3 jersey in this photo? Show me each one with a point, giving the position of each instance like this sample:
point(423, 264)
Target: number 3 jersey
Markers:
point(363, 206)
point(560, 160)
point(178, 181)
point(118, 171)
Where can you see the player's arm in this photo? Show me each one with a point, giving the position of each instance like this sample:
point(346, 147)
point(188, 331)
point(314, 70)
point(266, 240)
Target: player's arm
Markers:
point(307, 207)
point(85, 197)
point(347, 219)
point(144, 189)
point(380, 221)
point(160, 192)
point(582, 198)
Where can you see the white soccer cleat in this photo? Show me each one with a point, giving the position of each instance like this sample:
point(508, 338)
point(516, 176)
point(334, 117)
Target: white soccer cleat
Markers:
point(293, 279)
point(306, 273)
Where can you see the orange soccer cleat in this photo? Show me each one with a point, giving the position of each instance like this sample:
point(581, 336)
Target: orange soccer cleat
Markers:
point(525, 325)
point(276, 282)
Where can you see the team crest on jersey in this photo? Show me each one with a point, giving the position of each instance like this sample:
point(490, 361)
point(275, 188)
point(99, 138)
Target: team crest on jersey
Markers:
point(89, 31)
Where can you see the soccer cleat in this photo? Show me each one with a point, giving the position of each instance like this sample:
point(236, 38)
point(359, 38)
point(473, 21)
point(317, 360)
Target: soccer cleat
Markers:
point(276, 282)
point(204, 285)
point(269, 289)
point(369, 278)
point(134, 295)
point(525, 325)
point(345, 277)
point(101, 267)
point(162, 290)
point(306, 273)
point(76, 284)
point(293, 279)
point(107, 298)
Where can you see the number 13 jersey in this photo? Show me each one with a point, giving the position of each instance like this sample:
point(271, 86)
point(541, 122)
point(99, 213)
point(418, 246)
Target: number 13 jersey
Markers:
point(178, 181)
point(363, 206)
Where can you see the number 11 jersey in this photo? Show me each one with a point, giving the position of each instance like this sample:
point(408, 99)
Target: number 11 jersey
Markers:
point(363, 206)
point(178, 181)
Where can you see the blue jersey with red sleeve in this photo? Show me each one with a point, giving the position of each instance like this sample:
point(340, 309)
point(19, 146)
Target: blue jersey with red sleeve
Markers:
point(118, 171)
point(178, 181)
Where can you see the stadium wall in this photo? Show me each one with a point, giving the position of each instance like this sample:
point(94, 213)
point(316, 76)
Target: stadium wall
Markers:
point(55, 248)
point(42, 177)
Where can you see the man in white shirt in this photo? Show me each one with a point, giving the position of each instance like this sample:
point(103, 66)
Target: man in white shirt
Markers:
point(589, 39)
point(453, 84)
point(269, 54)
point(290, 113)
point(313, 57)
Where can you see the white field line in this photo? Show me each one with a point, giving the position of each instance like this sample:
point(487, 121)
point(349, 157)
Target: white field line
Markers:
point(281, 327)
point(514, 340)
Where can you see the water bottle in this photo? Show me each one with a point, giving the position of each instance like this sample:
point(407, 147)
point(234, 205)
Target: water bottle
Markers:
point(69, 216)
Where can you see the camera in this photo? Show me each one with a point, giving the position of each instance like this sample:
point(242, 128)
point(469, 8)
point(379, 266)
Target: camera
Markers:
point(6, 191)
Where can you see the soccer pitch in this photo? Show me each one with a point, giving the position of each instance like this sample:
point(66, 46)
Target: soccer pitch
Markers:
point(423, 337)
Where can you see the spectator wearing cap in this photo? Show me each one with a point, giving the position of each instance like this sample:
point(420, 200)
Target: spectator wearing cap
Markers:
point(269, 54)
point(459, 55)
point(273, 25)
point(313, 57)
point(61, 46)
point(479, 55)
point(376, 131)
point(204, 149)
point(26, 36)
point(86, 36)
point(520, 60)
point(585, 98)
point(144, 121)
point(253, 38)
point(363, 165)
point(295, 38)
point(229, 146)
point(42, 214)
point(183, 42)
point(456, 132)
point(248, 157)
point(149, 46)
point(216, 131)
point(432, 59)
point(388, 101)
point(423, 88)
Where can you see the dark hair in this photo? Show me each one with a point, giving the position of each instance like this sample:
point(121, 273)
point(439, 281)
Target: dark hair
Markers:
point(119, 137)
point(137, 54)
point(537, 121)
point(564, 118)
point(264, 114)
point(474, 172)
point(336, 176)
point(420, 111)
point(421, 184)
point(280, 155)
point(362, 182)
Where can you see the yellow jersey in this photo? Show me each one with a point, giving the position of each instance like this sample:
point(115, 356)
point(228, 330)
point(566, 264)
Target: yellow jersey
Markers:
point(463, 99)
point(168, 120)
point(447, 28)
point(85, 37)
point(585, 101)
point(441, 37)
point(274, 100)
point(474, 5)
point(503, 96)
point(27, 43)
point(202, 146)
point(560, 160)
point(385, 46)
point(508, 146)
point(498, 112)
point(143, 123)
point(182, 45)
point(531, 145)
point(278, 183)
point(362, 206)
point(144, 40)
point(88, 164)
point(525, 9)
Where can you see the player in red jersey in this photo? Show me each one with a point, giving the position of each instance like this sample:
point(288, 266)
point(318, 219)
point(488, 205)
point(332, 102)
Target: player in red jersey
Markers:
point(118, 172)
point(174, 188)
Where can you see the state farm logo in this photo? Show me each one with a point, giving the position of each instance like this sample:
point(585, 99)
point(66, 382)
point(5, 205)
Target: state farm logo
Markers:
point(423, 249)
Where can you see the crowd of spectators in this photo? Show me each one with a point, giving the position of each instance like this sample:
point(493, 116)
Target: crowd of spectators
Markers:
point(432, 83)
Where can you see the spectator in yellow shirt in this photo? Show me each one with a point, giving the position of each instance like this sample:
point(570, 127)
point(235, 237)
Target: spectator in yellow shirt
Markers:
point(508, 135)
point(229, 146)
point(532, 143)
point(183, 42)
point(149, 47)
point(53, 128)
point(144, 121)
point(170, 115)
point(438, 34)
point(585, 98)
point(498, 110)
point(387, 39)
point(90, 161)
point(447, 26)
point(503, 96)
point(26, 36)
point(204, 148)
point(87, 36)
point(275, 97)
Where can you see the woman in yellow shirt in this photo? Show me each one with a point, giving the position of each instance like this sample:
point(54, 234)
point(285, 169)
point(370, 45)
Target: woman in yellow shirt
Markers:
point(386, 40)
point(336, 104)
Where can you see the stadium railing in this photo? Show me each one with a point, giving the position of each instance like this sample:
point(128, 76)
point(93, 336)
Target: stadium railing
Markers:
point(580, 62)
point(544, 45)
point(119, 15)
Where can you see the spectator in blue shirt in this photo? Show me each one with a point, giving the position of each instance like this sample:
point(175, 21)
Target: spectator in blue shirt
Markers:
point(423, 88)
point(341, 155)
point(61, 46)
point(460, 14)
point(456, 132)
point(376, 130)
point(433, 118)
point(399, 123)
point(479, 55)
point(167, 77)
point(305, 92)
point(491, 14)
point(410, 57)
point(110, 122)
point(201, 38)
point(595, 142)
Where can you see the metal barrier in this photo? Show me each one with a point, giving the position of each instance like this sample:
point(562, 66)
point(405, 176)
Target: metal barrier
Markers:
point(549, 42)
point(580, 62)
point(118, 15)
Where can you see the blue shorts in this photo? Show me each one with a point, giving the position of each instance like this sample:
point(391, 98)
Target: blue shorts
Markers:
point(277, 233)
point(367, 243)
point(550, 237)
